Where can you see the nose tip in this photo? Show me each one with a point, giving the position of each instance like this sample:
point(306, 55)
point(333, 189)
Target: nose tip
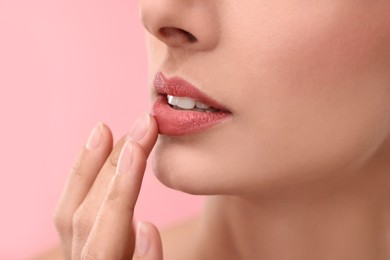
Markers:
point(189, 25)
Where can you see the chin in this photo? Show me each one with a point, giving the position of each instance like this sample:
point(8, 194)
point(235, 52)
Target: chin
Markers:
point(208, 165)
point(177, 170)
point(184, 164)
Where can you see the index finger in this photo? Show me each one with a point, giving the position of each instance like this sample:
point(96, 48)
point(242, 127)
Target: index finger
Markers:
point(85, 215)
point(112, 236)
point(98, 190)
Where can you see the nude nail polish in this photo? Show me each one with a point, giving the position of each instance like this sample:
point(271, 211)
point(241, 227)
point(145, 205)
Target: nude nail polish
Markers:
point(140, 127)
point(125, 158)
point(142, 242)
point(95, 137)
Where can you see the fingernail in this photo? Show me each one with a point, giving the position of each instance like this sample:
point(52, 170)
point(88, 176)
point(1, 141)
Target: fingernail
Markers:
point(142, 241)
point(95, 137)
point(140, 127)
point(125, 158)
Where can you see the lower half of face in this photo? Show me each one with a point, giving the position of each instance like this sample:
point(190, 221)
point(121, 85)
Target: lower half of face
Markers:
point(309, 91)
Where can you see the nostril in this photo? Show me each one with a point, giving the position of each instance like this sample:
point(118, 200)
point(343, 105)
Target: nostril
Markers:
point(168, 32)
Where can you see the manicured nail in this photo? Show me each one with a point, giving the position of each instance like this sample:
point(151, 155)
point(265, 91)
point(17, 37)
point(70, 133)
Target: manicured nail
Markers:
point(125, 158)
point(95, 137)
point(140, 127)
point(142, 241)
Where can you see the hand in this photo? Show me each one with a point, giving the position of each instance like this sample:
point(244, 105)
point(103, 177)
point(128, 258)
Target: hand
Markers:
point(95, 213)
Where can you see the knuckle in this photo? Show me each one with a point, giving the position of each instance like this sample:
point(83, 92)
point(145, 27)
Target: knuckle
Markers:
point(91, 252)
point(115, 198)
point(114, 156)
point(77, 167)
point(114, 201)
point(81, 222)
point(62, 222)
point(87, 254)
point(113, 193)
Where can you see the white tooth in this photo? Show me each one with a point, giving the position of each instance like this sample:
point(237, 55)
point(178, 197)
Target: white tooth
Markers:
point(169, 99)
point(172, 100)
point(185, 102)
point(201, 105)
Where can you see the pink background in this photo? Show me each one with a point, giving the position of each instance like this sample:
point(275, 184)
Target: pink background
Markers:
point(65, 65)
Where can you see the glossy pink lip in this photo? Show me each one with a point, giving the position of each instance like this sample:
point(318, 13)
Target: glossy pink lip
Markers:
point(180, 122)
point(178, 87)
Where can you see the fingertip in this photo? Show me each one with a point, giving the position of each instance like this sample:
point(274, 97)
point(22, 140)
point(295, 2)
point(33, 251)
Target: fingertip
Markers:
point(107, 134)
point(150, 138)
point(142, 242)
point(148, 241)
point(100, 136)
point(153, 127)
point(154, 121)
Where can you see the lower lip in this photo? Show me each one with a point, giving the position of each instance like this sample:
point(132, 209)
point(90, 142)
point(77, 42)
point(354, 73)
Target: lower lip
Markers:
point(181, 122)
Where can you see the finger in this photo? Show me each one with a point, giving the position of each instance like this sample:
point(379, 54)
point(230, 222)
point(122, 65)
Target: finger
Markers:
point(147, 142)
point(148, 242)
point(85, 169)
point(111, 235)
point(145, 130)
point(85, 215)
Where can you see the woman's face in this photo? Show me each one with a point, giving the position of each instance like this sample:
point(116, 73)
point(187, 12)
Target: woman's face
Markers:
point(307, 82)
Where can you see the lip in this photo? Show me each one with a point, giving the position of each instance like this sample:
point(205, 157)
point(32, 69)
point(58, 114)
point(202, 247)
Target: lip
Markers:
point(181, 122)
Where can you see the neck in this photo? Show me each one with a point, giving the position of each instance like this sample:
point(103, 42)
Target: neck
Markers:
point(350, 220)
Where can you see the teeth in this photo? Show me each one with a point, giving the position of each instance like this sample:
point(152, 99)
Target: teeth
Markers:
point(189, 104)
point(182, 102)
point(172, 100)
point(185, 102)
point(201, 105)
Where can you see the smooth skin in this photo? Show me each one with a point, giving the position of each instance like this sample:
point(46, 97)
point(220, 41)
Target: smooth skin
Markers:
point(301, 172)
point(94, 215)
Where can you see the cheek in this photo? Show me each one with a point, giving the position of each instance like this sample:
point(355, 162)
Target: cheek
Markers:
point(319, 95)
point(311, 97)
point(322, 101)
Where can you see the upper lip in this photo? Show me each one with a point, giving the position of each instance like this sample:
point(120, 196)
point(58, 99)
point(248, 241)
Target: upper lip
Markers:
point(176, 86)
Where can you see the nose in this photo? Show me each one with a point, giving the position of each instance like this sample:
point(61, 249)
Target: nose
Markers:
point(185, 24)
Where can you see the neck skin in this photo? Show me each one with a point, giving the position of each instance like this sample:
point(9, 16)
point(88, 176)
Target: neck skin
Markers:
point(350, 221)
